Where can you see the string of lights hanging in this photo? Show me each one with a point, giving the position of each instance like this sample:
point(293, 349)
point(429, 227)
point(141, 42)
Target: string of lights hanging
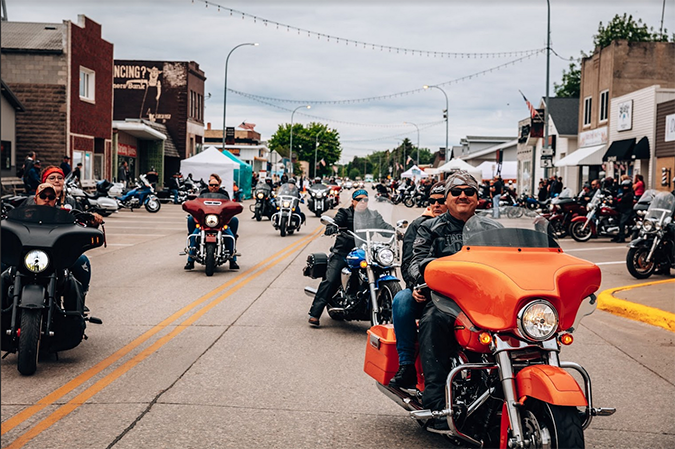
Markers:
point(383, 97)
point(366, 45)
point(422, 127)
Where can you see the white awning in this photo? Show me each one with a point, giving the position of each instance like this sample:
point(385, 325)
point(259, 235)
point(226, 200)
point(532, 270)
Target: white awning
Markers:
point(138, 129)
point(584, 156)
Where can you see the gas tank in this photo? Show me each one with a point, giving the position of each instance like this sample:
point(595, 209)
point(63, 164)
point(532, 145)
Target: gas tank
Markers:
point(355, 257)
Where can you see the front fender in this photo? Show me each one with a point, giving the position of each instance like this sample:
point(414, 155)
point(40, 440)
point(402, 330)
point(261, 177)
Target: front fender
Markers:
point(641, 241)
point(549, 384)
point(32, 297)
point(579, 218)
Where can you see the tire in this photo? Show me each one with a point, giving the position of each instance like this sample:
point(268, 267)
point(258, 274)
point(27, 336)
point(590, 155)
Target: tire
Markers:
point(385, 298)
point(210, 258)
point(258, 215)
point(559, 229)
point(29, 340)
point(577, 232)
point(636, 264)
point(560, 425)
point(153, 205)
point(408, 201)
point(283, 222)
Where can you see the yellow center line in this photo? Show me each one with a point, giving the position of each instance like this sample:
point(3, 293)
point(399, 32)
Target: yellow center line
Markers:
point(14, 421)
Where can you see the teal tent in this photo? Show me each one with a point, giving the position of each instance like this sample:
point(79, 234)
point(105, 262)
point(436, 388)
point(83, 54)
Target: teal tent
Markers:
point(242, 175)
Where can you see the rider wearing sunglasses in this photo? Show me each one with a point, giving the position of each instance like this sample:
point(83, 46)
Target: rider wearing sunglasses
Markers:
point(439, 237)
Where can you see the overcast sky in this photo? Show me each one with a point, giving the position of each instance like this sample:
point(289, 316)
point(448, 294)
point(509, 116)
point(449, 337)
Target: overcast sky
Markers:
point(293, 65)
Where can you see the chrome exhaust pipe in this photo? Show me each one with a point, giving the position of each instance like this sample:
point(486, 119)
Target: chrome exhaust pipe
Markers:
point(309, 291)
point(401, 398)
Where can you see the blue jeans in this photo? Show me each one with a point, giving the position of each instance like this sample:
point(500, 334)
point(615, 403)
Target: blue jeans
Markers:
point(495, 206)
point(405, 311)
point(232, 229)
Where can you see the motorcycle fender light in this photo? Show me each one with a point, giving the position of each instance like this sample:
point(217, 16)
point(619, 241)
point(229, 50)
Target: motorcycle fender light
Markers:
point(363, 264)
point(224, 227)
point(198, 226)
point(277, 207)
point(566, 339)
point(294, 209)
point(485, 338)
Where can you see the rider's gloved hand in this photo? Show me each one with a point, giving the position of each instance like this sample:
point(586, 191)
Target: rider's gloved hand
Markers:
point(331, 229)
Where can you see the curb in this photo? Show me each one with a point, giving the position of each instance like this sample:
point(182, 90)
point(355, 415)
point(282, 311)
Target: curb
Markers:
point(637, 312)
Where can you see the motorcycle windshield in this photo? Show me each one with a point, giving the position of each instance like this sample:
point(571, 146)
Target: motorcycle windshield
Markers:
point(566, 194)
point(527, 232)
point(318, 187)
point(595, 201)
point(661, 207)
point(372, 223)
point(261, 185)
point(289, 190)
point(648, 196)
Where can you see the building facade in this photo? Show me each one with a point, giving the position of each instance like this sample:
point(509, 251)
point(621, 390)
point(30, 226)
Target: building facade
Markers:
point(10, 106)
point(62, 73)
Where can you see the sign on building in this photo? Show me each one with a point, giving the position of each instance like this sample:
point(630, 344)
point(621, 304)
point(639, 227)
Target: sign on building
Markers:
point(625, 118)
point(670, 128)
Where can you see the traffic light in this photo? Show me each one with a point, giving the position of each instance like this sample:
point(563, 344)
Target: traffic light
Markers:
point(445, 113)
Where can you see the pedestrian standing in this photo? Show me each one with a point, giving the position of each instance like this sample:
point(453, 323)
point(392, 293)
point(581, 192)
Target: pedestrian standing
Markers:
point(497, 190)
point(639, 186)
point(65, 166)
point(123, 173)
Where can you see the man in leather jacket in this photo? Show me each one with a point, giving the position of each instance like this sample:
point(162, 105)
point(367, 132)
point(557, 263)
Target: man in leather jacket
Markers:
point(405, 309)
point(344, 243)
point(439, 237)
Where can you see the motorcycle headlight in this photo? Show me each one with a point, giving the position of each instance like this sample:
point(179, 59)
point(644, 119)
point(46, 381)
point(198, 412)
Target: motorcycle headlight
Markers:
point(648, 225)
point(538, 320)
point(260, 195)
point(36, 261)
point(384, 256)
point(211, 221)
point(286, 204)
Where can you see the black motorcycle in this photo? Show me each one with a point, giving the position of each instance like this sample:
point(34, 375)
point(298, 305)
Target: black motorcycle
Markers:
point(42, 302)
point(318, 201)
point(264, 201)
point(287, 218)
point(652, 251)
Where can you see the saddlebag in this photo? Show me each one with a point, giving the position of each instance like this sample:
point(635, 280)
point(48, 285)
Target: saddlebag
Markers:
point(381, 361)
point(316, 265)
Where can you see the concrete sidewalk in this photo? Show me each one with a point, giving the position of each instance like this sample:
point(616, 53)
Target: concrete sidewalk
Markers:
point(650, 302)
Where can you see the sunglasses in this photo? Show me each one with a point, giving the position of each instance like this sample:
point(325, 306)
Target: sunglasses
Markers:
point(214, 185)
point(362, 200)
point(47, 196)
point(433, 201)
point(468, 191)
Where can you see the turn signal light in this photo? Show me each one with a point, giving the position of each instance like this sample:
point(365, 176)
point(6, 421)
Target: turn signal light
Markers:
point(566, 339)
point(485, 338)
point(363, 264)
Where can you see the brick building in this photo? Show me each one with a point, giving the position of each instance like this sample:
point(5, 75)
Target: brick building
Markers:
point(10, 107)
point(62, 74)
point(167, 93)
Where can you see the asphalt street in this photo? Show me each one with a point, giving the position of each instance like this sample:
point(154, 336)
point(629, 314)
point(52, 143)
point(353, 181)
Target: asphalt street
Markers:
point(185, 360)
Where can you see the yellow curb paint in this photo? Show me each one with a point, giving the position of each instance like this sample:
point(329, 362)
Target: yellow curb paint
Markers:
point(637, 312)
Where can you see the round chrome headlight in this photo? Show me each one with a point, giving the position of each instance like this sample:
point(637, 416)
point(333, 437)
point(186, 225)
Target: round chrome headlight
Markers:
point(286, 204)
point(260, 195)
point(648, 225)
point(384, 256)
point(538, 320)
point(36, 261)
point(211, 221)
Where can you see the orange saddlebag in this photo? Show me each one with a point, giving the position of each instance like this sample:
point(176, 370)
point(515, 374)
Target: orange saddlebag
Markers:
point(381, 357)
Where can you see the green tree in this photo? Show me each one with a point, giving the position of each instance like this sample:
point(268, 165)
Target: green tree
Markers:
point(625, 27)
point(571, 82)
point(305, 143)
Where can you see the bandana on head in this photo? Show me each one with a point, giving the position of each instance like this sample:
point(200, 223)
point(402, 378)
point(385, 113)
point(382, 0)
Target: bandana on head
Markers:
point(460, 178)
point(437, 189)
point(359, 193)
point(49, 171)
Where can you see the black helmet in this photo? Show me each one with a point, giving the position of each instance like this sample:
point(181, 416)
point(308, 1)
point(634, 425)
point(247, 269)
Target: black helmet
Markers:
point(317, 180)
point(626, 183)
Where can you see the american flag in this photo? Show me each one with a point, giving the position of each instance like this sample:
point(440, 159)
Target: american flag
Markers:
point(322, 162)
point(249, 126)
point(533, 111)
point(407, 161)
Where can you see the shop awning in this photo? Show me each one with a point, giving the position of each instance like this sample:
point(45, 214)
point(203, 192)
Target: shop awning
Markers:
point(583, 156)
point(619, 150)
point(641, 149)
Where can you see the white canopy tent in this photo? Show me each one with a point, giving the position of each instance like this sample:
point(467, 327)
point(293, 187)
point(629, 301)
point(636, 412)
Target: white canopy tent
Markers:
point(414, 172)
point(458, 164)
point(509, 169)
point(209, 161)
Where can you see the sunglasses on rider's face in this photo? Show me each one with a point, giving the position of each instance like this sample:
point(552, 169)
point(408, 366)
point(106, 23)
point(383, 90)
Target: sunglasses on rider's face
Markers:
point(468, 191)
point(433, 201)
point(47, 196)
point(213, 185)
point(362, 200)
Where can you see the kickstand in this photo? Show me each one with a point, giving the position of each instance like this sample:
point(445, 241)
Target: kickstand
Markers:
point(6, 354)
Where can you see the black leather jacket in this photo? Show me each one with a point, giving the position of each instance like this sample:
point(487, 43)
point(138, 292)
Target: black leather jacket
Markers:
point(439, 237)
point(408, 241)
point(344, 218)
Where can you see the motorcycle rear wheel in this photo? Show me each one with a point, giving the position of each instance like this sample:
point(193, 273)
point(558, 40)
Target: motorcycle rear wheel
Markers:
point(551, 426)
point(153, 205)
point(558, 228)
point(637, 266)
point(578, 233)
point(283, 222)
point(210, 258)
point(29, 341)
point(385, 298)
point(408, 202)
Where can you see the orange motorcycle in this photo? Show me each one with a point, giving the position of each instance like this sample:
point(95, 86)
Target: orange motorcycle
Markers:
point(516, 299)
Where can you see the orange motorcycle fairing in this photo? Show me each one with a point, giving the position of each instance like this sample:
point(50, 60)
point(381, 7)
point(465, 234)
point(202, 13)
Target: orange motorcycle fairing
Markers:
point(549, 384)
point(467, 335)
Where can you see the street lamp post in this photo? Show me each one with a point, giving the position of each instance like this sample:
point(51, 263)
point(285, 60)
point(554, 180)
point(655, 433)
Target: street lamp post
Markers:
point(447, 112)
point(290, 149)
point(316, 148)
point(418, 141)
point(227, 60)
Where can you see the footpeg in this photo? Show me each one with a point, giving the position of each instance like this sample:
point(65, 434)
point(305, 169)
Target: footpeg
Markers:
point(603, 411)
point(94, 320)
point(183, 253)
point(311, 292)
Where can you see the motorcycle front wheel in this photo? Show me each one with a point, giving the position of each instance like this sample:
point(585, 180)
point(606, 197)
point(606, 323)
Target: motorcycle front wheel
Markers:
point(579, 233)
point(385, 298)
point(153, 205)
point(558, 227)
point(210, 258)
point(29, 340)
point(636, 262)
point(551, 426)
point(283, 222)
point(408, 202)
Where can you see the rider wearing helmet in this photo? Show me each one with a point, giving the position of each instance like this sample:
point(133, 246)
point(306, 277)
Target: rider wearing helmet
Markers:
point(624, 205)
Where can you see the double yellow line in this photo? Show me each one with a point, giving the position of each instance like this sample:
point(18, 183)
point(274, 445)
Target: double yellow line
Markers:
point(233, 285)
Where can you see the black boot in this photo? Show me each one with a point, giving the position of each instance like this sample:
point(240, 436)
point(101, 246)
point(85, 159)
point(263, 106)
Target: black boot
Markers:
point(189, 265)
point(405, 377)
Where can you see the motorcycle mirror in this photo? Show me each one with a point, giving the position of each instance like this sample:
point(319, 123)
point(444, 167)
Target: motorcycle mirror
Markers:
point(402, 224)
point(326, 220)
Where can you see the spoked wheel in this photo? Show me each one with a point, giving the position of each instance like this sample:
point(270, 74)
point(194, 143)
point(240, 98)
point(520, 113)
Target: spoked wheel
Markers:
point(283, 223)
point(636, 262)
point(559, 229)
point(29, 340)
point(210, 258)
point(385, 298)
point(408, 201)
point(579, 233)
point(547, 426)
point(153, 205)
